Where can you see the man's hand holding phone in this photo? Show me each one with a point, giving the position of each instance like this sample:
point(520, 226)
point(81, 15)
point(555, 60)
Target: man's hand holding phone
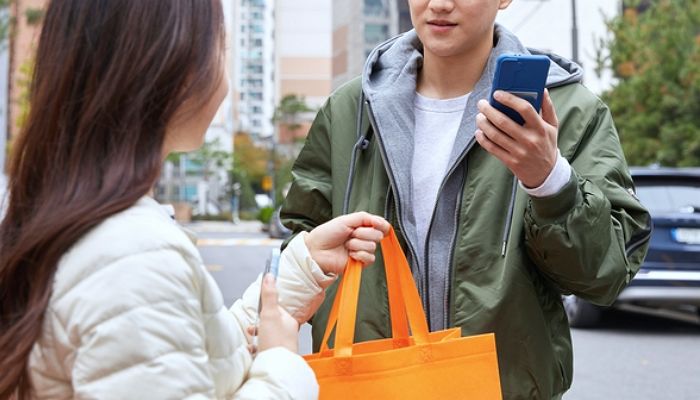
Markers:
point(529, 150)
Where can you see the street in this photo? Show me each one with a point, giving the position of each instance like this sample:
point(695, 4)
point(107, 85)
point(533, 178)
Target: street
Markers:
point(630, 356)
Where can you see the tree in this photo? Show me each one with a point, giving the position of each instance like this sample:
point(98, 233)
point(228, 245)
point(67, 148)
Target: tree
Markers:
point(250, 158)
point(210, 156)
point(655, 56)
point(289, 111)
point(4, 19)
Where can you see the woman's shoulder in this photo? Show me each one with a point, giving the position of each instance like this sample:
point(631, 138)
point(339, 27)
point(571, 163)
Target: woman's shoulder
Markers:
point(143, 236)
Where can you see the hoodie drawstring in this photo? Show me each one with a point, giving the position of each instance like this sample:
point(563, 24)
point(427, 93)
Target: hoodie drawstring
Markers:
point(362, 144)
point(509, 218)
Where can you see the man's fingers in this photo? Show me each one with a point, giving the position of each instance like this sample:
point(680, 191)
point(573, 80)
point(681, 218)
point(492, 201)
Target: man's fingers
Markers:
point(493, 148)
point(361, 245)
point(494, 134)
point(366, 233)
point(521, 106)
point(549, 114)
point(497, 118)
point(359, 219)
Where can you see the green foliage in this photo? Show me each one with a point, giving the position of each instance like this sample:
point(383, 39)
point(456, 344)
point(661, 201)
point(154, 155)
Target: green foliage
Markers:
point(4, 19)
point(211, 156)
point(289, 110)
point(24, 83)
point(265, 214)
point(250, 158)
point(251, 164)
point(34, 16)
point(655, 55)
point(246, 194)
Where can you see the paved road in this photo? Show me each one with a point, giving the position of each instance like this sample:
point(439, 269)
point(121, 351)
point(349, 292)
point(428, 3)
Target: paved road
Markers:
point(631, 356)
point(636, 356)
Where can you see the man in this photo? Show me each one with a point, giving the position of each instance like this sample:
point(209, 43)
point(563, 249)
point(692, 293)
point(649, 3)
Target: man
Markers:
point(498, 220)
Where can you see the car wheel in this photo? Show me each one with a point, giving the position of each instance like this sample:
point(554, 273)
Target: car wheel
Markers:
point(581, 313)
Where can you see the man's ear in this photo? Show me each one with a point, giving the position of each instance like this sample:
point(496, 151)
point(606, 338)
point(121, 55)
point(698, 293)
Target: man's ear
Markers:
point(503, 4)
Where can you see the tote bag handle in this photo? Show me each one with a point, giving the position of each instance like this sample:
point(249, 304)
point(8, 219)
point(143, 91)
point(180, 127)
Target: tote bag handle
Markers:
point(405, 306)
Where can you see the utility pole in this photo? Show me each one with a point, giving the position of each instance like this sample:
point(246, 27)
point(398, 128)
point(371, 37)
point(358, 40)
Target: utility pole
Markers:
point(574, 34)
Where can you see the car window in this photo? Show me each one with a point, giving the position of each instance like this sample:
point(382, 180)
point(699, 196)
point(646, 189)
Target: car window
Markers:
point(669, 198)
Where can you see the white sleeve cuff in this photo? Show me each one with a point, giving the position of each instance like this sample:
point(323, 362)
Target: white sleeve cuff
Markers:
point(298, 246)
point(557, 179)
point(301, 282)
point(278, 373)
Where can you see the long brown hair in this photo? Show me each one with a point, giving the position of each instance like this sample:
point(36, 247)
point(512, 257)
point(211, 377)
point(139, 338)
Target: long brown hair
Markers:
point(109, 77)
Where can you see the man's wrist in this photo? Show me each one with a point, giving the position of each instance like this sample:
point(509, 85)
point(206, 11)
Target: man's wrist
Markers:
point(555, 182)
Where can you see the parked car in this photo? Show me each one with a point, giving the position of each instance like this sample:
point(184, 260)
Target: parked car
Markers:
point(670, 274)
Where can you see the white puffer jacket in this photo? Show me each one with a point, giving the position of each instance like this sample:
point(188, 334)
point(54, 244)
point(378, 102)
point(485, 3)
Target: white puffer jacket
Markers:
point(135, 315)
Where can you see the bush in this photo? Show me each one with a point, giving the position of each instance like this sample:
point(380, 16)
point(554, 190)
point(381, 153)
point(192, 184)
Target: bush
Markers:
point(265, 214)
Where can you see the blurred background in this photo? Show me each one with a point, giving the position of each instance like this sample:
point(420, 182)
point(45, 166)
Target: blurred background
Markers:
point(284, 59)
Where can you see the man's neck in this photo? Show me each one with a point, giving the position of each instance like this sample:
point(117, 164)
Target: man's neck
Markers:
point(450, 77)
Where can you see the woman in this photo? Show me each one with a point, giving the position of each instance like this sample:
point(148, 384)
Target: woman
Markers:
point(101, 294)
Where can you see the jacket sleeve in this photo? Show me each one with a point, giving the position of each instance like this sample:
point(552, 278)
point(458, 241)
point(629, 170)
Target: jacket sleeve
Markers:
point(309, 200)
point(150, 340)
point(300, 283)
point(590, 238)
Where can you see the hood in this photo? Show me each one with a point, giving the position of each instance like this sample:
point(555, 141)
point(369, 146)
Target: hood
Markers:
point(397, 61)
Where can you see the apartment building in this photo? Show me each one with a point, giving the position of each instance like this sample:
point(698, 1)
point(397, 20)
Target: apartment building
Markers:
point(358, 26)
point(303, 58)
point(253, 67)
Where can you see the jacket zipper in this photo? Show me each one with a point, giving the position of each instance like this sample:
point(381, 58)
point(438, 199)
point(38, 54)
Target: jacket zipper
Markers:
point(397, 200)
point(453, 242)
point(509, 217)
point(450, 272)
point(637, 244)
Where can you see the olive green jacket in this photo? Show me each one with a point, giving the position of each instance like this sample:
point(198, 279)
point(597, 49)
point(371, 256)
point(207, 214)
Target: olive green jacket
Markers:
point(589, 239)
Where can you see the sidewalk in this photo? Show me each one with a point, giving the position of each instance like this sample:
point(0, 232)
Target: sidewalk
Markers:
point(225, 227)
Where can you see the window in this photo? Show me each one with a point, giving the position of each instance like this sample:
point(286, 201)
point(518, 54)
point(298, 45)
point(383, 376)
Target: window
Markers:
point(375, 8)
point(376, 33)
point(669, 196)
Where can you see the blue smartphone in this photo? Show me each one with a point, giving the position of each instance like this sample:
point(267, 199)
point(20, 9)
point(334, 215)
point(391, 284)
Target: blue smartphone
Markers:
point(522, 75)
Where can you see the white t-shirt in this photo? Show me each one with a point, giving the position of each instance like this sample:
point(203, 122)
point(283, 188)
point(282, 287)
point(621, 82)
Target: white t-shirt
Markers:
point(437, 123)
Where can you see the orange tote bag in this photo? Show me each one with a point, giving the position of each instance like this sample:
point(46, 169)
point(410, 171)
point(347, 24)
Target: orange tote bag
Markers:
point(416, 365)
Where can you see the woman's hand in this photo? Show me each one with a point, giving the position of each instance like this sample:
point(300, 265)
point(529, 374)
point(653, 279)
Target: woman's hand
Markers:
point(277, 327)
point(353, 235)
